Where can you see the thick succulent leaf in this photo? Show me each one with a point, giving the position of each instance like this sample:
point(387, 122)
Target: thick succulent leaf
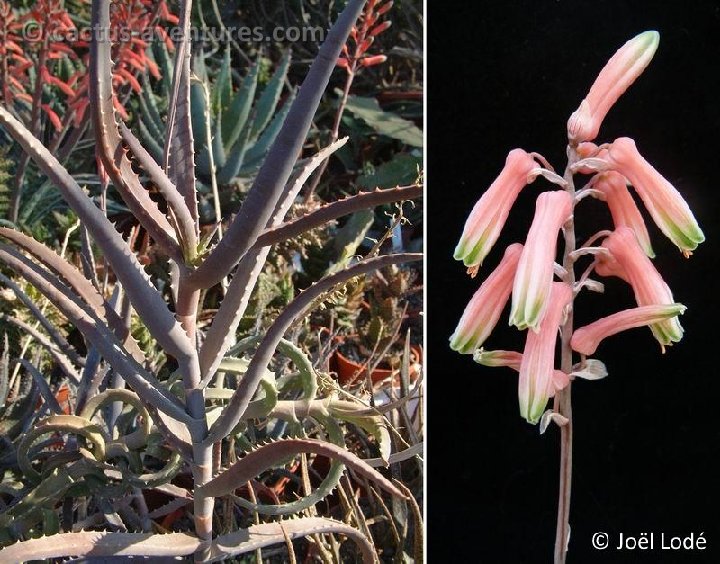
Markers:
point(373, 424)
point(178, 153)
point(334, 210)
point(298, 180)
point(235, 159)
point(401, 170)
point(87, 258)
point(92, 376)
point(221, 334)
point(19, 414)
point(222, 89)
point(267, 456)
point(329, 483)
point(99, 544)
point(96, 543)
point(59, 423)
point(349, 238)
point(269, 98)
point(162, 58)
point(198, 103)
point(185, 223)
point(306, 371)
point(385, 123)
point(16, 522)
point(151, 142)
point(262, 145)
point(266, 534)
point(138, 438)
point(109, 144)
point(150, 113)
point(218, 149)
point(54, 262)
point(236, 116)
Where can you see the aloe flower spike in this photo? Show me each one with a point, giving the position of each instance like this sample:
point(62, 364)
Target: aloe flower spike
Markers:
point(587, 339)
point(534, 277)
point(536, 382)
point(491, 211)
point(618, 74)
point(484, 309)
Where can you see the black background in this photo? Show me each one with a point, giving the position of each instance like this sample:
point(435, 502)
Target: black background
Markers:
point(508, 74)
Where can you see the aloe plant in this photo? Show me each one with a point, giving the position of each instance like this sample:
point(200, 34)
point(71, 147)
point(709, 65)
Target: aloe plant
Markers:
point(136, 427)
point(234, 128)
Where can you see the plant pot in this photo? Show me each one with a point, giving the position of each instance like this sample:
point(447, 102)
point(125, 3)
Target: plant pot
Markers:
point(350, 371)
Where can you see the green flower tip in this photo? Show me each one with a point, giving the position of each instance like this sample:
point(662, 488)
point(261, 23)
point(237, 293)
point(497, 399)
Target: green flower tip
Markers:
point(456, 342)
point(459, 253)
point(533, 320)
point(687, 240)
point(649, 39)
point(472, 255)
point(533, 417)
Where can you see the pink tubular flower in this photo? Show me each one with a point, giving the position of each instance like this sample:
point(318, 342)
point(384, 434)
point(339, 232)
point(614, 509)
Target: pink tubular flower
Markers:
point(667, 207)
point(536, 382)
point(513, 359)
point(618, 74)
point(484, 309)
point(491, 211)
point(648, 285)
point(534, 276)
point(586, 339)
point(623, 209)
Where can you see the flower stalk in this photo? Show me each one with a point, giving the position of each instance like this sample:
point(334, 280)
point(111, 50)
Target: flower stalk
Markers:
point(563, 401)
